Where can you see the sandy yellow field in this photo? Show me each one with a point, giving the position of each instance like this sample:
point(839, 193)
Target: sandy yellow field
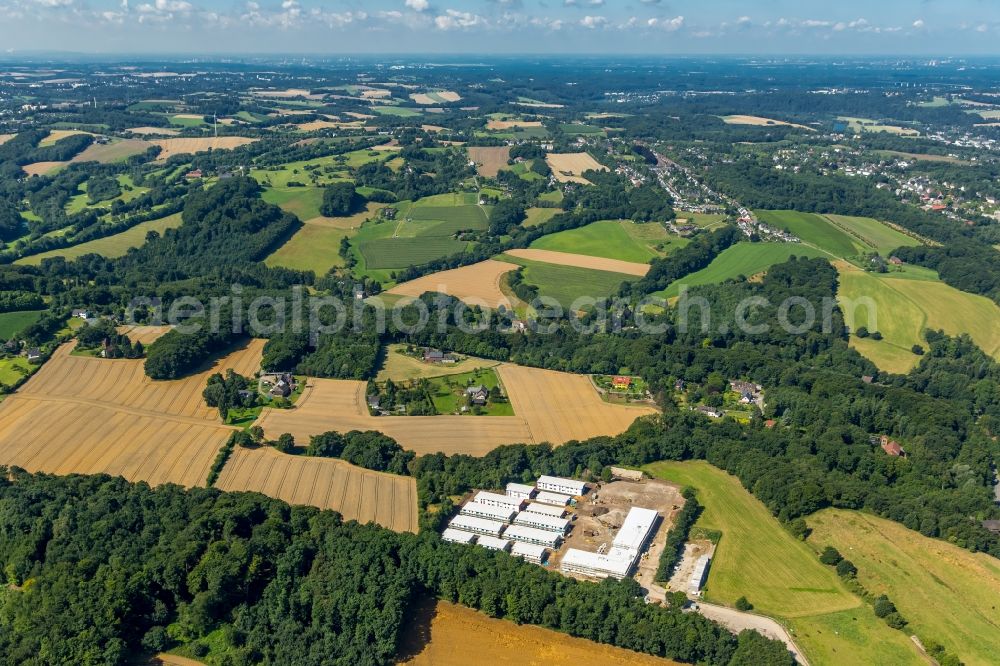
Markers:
point(184, 145)
point(581, 261)
point(489, 160)
point(549, 406)
point(4, 138)
point(399, 367)
point(89, 415)
point(757, 120)
point(475, 284)
point(41, 168)
point(948, 594)
point(569, 167)
point(501, 125)
point(441, 634)
point(154, 131)
point(357, 494)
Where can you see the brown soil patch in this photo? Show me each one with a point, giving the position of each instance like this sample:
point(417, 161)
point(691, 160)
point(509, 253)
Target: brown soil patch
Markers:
point(189, 146)
point(548, 405)
point(489, 160)
point(442, 634)
point(757, 120)
point(42, 168)
point(475, 284)
point(4, 138)
point(357, 494)
point(569, 167)
point(89, 415)
point(581, 261)
point(511, 124)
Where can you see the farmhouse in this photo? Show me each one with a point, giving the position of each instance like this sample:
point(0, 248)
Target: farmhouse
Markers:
point(558, 484)
point(520, 491)
point(542, 522)
point(711, 412)
point(555, 499)
point(533, 535)
point(546, 509)
point(502, 513)
point(496, 499)
point(458, 536)
point(34, 355)
point(529, 552)
point(476, 525)
point(478, 395)
point(494, 543)
point(621, 383)
point(891, 447)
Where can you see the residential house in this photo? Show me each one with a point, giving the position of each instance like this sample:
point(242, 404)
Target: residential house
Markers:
point(477, 395)
point(621, 383)
point(891, 447)
point(433, 356)
point(34, 355)
point(711, 412)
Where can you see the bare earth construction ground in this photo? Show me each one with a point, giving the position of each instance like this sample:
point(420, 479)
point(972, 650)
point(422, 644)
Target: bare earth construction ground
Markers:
point(549, 406)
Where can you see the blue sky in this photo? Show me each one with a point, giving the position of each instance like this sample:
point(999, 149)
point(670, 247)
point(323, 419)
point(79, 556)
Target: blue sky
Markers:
point(504, 26)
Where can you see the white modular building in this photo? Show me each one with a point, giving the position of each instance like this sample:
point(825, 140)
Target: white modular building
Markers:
point(496, 499)
point(699, 574)
point(533, 535)
point(542, 522)
point(520, 491)
point(502, 513)
point(555, 499)
point(557, 484)
point(493, 543)
point(476, 525)
point(546, 509)
point(529, 552)
point(638, 527)
point(458, 536)
point(616, 563)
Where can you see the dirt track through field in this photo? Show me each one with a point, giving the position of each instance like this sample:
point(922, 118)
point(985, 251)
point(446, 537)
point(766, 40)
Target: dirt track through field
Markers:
point(478, 284)
point(581, 261)
point(356, 493)
point(548, 406)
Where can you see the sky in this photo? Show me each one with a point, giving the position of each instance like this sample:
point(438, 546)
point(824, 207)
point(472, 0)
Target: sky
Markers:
point(674, 27)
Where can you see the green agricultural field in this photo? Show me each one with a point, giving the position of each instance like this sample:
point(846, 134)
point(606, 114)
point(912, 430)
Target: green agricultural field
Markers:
point(947, 594)
point(903, 308)
point(181, 121)
point(537, 216)
point(12, 323)
point(611, 239)
point(555, 196)
point(315, 247)
point(464, 217)
point(565, 284)
point(317, 172)
point(387, 253)
point(782, 576)
point(872, 233)
point(303, 202)
point(814, 230)
point(708, 221)
point(401, 111)
point(109, 246)
point(12, 369)
point(746, 259)
point(577, 129)
point(447, 392)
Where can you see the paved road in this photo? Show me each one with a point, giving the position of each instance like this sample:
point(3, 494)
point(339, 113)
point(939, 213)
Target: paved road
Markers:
point(736, 621)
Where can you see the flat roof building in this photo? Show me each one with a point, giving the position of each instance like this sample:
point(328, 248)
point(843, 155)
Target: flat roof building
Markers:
point(493, 543)
point(698, 575)
point(502, 513)
point(558, 484)
point(458, 536)
point(635, 531)
point(476, 525)
point(546, 509)
point(616, 563)
point(529, 552)
point(533, 535)
point(542, 522)
point(555, 499)
point(520, 491)
point(496, 499)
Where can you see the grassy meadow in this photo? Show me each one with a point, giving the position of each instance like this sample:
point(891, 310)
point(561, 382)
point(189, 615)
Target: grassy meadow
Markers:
point(782, 576)
point(109, 246)
point(567, 283)
point(12, 323)
point(612, 239)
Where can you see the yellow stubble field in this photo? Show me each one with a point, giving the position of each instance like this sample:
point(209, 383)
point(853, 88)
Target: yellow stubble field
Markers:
point(475, 284)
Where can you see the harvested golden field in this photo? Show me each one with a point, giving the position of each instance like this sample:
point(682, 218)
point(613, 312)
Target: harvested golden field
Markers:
point(318, 125)
point(441, 634)
point(757, 120)
point(186, 146)
point(581, 261)
point(433, 128)
point(375, 93)
point(489, 160)
point(4, 138)
point(432, 98)
point(153, 131)
point(58, 135)
point(114, 151)
point(511, 124)
point(475, 284)
point(947, 594)
point(356, 493)
point(400, 367)
point(88, 415)
point(289, 93)
point(569, 167)
point(42, 168)
point(548, 405)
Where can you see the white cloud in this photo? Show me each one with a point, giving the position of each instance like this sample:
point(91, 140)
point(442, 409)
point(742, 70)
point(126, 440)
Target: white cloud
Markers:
point(583, 3)
point(668, 24)
point(591, 22)
point(918, 24)
point(453, 19)
point(418, 5)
